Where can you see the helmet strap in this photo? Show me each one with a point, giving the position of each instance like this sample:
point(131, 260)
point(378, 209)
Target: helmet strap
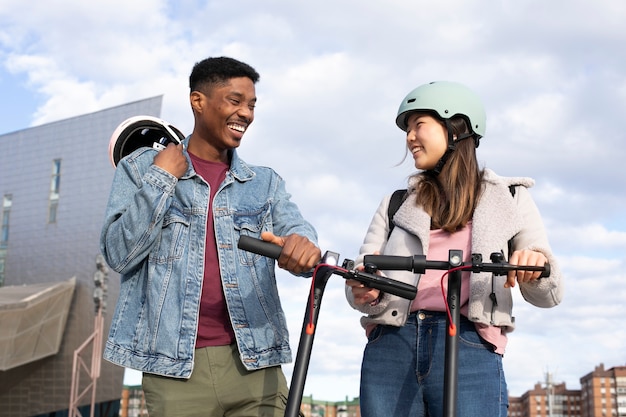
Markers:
point(451, 147)
point(452, 141)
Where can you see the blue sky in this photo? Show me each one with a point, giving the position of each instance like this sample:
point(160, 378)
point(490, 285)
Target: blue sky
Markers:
point(18, 102)
point(552, 76)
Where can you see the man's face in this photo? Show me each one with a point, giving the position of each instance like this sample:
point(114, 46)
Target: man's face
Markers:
point(227, 111)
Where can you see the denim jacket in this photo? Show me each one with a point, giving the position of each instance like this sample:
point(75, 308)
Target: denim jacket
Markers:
point(154, 236)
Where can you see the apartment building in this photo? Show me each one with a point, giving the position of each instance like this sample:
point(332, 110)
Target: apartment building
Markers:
point(133, 402)
point(553, 400)
point(602, 394)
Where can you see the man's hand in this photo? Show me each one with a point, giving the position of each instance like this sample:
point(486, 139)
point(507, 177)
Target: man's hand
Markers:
point(172, 160)
point(299, 254)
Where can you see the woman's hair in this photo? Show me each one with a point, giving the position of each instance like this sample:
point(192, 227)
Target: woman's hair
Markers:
point(451, 197)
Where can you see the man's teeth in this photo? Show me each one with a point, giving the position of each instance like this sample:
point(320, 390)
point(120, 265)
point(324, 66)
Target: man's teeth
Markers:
point(238, 128)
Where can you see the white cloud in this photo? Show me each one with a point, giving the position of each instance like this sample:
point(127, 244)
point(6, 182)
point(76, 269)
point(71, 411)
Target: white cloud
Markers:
point(592, 237)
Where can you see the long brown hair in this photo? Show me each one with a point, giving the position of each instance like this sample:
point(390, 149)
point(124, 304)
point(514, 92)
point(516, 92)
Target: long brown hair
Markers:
point(451, 197)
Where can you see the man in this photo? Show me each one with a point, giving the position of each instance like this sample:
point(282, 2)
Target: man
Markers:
point(200, 318)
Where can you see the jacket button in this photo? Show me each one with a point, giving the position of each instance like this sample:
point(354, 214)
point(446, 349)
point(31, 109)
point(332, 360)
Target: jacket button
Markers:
point(394, 313)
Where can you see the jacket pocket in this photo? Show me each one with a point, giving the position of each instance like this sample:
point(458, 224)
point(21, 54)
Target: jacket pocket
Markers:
point(252, 222)
point(173, 238)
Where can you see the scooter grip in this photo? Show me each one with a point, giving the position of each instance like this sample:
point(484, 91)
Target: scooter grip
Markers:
point(260, 247)
point(387, 285)
point(390, 262)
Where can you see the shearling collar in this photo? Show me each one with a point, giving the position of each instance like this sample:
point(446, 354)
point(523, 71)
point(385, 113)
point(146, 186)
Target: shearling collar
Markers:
point(495, 219)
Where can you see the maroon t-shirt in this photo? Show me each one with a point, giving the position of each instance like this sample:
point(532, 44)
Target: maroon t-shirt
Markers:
point(214, 328)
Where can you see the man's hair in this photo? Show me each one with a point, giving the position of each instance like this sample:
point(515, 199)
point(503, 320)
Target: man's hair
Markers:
point(218, 71)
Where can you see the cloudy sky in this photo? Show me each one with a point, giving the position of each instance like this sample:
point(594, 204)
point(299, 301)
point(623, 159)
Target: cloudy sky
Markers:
point(552, 76)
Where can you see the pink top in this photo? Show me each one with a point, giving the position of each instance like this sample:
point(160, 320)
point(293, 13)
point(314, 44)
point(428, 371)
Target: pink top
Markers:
point(429, 296)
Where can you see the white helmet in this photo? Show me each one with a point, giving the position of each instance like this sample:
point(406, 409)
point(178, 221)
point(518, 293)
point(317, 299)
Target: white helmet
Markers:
point(140, 131)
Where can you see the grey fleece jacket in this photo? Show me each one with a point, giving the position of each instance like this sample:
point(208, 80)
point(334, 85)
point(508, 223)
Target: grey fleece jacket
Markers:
point(498, 217)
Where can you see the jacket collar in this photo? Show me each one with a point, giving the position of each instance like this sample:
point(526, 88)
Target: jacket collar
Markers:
point(239, 169)
point(495, 216)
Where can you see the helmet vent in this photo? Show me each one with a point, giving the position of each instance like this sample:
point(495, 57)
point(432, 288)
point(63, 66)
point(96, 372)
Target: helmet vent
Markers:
point(411, 100)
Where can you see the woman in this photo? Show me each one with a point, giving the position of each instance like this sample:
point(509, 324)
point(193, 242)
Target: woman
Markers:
point(451, 203)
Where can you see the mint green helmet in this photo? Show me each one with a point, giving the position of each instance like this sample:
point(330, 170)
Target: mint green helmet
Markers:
point(447, 99)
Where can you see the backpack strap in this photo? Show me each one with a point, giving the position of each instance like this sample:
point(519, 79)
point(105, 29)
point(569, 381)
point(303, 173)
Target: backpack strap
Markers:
point(397, 198)
point(512, 189)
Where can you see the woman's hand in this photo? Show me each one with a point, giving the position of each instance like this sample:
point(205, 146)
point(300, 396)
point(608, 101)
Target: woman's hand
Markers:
point(362, 294)
point(524, 257)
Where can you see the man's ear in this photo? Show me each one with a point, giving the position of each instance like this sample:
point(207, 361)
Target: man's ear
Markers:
point(196, 99)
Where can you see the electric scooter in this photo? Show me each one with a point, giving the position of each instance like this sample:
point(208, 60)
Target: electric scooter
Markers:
point(372, 263)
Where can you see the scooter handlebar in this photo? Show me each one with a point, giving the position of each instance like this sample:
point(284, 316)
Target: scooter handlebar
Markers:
point(418, 264)
point(384, 284)
point(259, 247)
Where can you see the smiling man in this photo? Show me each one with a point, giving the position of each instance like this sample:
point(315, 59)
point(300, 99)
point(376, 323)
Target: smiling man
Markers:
point(200, 318)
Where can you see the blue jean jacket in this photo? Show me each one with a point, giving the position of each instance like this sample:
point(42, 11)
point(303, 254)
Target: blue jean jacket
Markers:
point(154, 236)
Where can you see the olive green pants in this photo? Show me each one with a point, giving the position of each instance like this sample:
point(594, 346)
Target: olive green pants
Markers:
point(219, 386)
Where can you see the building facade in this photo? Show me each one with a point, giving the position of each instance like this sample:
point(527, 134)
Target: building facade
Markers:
point(603, 392)
point(133, 402)
point(54, 186)
point(551, 400)
point(311, 407)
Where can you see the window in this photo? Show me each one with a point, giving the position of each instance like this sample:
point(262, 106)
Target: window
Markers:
point(4, 233)
point(6, 210)
point(55, 186)
point(2, 262)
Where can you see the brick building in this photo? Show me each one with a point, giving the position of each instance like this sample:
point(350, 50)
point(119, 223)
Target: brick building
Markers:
point(542, 401)
point(133, 402)
point(603, 392)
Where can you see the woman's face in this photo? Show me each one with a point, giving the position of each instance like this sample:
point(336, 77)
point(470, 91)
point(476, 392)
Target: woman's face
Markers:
point(426, 139)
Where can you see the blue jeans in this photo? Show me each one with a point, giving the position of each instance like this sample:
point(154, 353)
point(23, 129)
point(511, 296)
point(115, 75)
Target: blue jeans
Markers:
point(403, 371)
